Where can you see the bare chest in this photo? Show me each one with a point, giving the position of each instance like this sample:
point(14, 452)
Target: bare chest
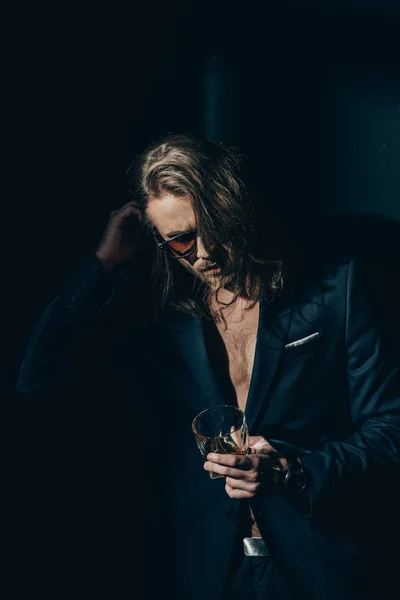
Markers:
point(238, 344)
point(239, 341)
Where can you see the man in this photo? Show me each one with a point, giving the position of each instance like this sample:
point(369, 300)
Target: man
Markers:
point(249, 321)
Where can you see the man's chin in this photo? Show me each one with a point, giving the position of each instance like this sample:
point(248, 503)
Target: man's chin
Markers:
point(210, 276)
point(212, 272)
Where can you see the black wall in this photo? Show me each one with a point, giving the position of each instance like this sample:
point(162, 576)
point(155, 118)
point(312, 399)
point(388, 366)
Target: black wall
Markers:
point(312, 94)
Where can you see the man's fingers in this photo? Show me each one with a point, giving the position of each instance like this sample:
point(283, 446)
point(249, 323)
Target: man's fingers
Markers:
point(225, 471)
point(259, 444)
point(242, 484)
point(238, 461)
point(235, 493)
point(253, 439)
point(129, 210)
point(133, 203)
point(130, 218)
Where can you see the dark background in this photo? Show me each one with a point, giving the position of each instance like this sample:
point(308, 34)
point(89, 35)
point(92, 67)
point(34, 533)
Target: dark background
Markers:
point(311, 93)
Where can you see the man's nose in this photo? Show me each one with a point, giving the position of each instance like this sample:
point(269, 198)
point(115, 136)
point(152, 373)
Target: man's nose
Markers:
point(201, 251)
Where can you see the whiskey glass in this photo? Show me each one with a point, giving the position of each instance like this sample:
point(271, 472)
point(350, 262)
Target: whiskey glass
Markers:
point(221, 429)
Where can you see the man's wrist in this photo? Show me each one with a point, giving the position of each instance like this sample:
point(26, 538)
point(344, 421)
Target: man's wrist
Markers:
point(284, 463)
point(107, 264)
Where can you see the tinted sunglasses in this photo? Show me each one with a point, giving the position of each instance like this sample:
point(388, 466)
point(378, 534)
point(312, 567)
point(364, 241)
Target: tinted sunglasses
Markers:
point(180, 245)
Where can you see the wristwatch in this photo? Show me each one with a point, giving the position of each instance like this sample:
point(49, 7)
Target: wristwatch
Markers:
point(294, 478)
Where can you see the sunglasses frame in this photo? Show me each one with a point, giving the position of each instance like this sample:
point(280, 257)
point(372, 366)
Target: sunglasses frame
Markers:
point(164, 245)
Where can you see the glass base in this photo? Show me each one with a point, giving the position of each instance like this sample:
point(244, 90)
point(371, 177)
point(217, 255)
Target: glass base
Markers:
point(216, 475)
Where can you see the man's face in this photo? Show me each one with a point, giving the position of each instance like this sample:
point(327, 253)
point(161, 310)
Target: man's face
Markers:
point(171, 215)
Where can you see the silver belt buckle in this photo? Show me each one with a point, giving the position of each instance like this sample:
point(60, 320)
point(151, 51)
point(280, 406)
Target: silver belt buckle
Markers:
point(254, 546)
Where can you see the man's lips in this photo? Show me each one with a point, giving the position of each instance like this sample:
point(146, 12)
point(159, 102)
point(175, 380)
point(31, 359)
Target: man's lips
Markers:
point(212, 267)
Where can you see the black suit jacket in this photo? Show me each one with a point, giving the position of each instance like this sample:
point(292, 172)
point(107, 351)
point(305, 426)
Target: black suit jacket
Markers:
point(333, 399)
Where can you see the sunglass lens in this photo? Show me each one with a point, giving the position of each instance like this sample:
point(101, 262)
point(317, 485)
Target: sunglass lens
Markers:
point(183, 244)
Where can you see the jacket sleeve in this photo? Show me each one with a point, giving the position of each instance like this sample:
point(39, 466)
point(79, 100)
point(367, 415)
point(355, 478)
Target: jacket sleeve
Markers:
point(374, 404)
point(373, 386)
point(63, 326)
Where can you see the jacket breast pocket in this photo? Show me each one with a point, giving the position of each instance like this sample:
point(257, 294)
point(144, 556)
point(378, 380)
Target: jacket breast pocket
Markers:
point(303, 347)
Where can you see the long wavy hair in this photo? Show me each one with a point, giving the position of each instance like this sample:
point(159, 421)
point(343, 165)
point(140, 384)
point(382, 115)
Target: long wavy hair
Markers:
point(213, 176)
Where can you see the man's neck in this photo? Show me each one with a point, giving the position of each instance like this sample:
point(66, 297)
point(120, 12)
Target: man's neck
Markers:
point(223, 308)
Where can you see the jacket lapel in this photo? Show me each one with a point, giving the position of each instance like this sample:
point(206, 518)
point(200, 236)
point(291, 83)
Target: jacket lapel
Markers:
point(273, 329)
point(187, 333)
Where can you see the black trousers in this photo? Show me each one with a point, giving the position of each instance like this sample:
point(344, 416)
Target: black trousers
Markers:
point(253, 578)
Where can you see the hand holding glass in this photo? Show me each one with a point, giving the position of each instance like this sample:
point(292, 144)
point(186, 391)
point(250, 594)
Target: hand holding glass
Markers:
point(221, 429)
